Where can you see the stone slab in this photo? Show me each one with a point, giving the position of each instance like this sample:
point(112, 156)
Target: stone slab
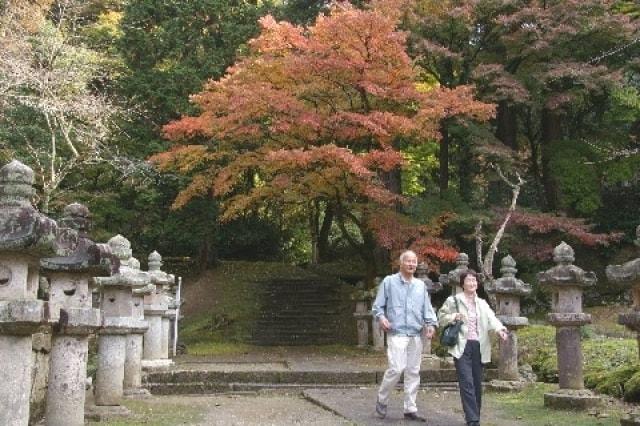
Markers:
point(571, 399)
point(105, 412)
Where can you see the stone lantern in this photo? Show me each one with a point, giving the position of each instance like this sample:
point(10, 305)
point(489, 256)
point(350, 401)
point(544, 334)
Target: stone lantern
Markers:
point(133, 352)
point(508, 290)
point(73, 318)
point(452, 279)
point(157, 311)
point(628, 274)
point(566, 282)
point(362, 315)
point(422, 272)
point(26, 236)
point(377, 333)
point(116, 307)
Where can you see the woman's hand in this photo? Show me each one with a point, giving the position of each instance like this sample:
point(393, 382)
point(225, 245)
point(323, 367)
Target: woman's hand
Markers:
point(504, 334)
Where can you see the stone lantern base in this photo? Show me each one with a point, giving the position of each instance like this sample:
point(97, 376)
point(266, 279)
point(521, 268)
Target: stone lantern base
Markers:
point(507, 385)
point(156, 364)
point(103, 413)
point(571, 399)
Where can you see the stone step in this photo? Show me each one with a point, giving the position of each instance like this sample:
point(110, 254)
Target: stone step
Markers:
point(200, 381)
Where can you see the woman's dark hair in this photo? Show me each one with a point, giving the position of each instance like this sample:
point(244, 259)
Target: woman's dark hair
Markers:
point(465, 274)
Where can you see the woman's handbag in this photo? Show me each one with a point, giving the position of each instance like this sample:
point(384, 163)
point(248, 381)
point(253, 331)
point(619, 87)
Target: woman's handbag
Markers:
point(449, 335)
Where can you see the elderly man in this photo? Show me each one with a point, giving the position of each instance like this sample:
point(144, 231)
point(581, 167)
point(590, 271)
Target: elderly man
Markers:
point(403, 309)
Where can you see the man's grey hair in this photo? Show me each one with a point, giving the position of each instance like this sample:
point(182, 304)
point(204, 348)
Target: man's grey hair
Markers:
point(407, 253)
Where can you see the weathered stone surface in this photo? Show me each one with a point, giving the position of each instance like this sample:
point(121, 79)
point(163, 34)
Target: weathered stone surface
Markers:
point(452, 279)
point(571, 399)
point(566, 282)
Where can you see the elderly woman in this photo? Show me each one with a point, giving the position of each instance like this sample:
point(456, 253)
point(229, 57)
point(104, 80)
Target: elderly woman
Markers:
point(473, 347)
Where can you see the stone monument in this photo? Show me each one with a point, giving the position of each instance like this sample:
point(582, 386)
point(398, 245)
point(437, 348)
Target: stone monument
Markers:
point(422, 272)
point(116, 308)
point(566, 282)
point(452, 279)
point(628, 274)
point(133, 352)
point(157, 311)
point(26, 236)
point(73, 318)
point(508, 290)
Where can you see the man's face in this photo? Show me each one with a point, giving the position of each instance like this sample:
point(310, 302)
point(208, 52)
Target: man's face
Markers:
point(408, 264)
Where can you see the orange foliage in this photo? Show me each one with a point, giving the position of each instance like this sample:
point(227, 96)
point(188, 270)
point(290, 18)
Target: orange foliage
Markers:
point(314, 113)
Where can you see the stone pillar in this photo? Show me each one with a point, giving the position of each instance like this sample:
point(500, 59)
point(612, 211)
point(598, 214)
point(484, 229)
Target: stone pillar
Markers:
point(566, 282)
point(362, 315)
point(452, 279)
point(422, 273)
point(117, 322)
point(133, 352)
point(25, 237)
point(377, 333)
point(628, 275)
point(508, 290)
point(158, 312)
point(74, 318)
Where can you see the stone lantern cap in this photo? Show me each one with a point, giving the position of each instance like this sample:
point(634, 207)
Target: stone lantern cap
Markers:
point(126, 276)
point(629, 272)
point(565, 274)
point(453, 277)
point(508, 283)
point(159, 277)
point(422, 272)
point(22, 227)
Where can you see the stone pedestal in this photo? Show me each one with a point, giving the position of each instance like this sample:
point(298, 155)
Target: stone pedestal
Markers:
point(118, 322)
point(73, 319)
point(452, 279)
point(25, 237)
point(159, 312)
point(628, 275)
point(422, 273)
point(508, 290)
point(566, 282)
point(362, 315)
point(377, 333)
point(133, 352)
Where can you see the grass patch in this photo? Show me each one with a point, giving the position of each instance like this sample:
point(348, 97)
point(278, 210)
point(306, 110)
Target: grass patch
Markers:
point(529, 405)
point(157, 414)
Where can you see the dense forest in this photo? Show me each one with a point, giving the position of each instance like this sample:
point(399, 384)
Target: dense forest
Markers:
point(309, 131)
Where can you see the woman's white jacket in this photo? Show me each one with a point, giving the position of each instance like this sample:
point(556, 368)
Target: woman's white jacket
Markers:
point(487, 321)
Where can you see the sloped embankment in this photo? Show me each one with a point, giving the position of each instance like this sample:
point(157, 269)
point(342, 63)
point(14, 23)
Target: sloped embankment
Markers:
point(265, 303)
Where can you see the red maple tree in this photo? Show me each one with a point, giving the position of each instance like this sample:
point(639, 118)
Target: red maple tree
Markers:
point(314, 118)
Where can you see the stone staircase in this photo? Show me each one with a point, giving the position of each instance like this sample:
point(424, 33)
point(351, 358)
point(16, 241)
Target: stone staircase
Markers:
point(301, 312)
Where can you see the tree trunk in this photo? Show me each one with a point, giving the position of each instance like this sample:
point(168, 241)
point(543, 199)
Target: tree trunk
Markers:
point(465, 171)
point(507, 125)
point(443, 159)
point(551, 133)
point(393, 180)
point(325, 231)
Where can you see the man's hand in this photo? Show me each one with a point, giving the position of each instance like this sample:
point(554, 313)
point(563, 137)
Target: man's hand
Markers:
point(429, 331)
point(384, 323)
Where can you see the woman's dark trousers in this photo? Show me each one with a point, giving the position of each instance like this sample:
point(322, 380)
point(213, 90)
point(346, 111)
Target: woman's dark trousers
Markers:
point(469, 369)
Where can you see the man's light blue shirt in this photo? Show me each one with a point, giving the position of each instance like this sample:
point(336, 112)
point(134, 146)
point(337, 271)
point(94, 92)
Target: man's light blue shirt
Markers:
point(405, 304)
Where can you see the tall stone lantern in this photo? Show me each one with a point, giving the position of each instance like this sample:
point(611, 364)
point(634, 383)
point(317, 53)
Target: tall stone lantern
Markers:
point(628, 274)
point(73, 318)
point(421, 273)
point(26, 236)
point(508, 290)
point(157, 311)
point(134, 350)
point(116, 306)
point(566, 282)
point(452, 279)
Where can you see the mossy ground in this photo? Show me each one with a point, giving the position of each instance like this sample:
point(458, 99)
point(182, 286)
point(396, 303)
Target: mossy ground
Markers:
point(528, 406)
point(163, 414)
